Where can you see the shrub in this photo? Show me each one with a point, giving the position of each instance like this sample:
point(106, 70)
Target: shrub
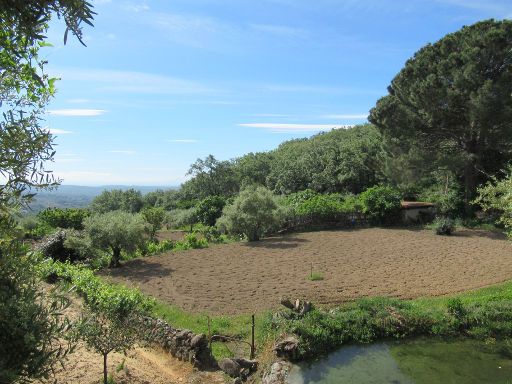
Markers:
point(182, 218)
point(64, 217)
point(443, 226)
point(254, 213)
point(321, 206)
point(191, 241)
point(155, 217)
point(34, 228)
point(381, 204)
point(210, 209)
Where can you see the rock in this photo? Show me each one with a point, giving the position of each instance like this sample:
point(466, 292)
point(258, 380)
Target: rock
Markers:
point(230, 367)
point(277, 374)
point(287, 348)
point(199, 341)
point(237, 381)
point(287, 303)
point(250, 365)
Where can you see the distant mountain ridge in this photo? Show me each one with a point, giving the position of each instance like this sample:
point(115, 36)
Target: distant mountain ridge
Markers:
point(80, 196)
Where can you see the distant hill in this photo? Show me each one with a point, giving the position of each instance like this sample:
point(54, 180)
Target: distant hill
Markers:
point(79, 196)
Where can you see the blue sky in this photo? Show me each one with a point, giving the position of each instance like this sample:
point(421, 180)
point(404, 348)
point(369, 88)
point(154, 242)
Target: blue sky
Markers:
point(162, 83)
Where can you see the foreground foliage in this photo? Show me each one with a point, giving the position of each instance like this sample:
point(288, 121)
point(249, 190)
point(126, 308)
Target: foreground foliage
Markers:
point(31, 321)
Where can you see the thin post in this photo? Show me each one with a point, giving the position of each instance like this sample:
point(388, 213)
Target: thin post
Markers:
point(252, 339)
point(209, 333)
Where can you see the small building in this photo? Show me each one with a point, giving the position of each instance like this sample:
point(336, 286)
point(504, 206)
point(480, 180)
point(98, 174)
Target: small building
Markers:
point(417, 211)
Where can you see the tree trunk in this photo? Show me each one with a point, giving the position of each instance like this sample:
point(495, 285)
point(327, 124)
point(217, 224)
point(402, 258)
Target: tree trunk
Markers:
point(116, 255)
point(105, 375)
point(470, 184)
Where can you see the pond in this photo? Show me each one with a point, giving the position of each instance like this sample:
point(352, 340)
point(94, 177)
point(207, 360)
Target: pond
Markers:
point(423, 361)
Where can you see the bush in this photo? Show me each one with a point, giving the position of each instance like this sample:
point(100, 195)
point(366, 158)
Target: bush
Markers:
point(254, 213)
point(113, 300)
point(212, 235)
point(191, 241)
point(64, 217)
point(210, 209)
point(34, 228)
point(381, 204)
point(443, 226)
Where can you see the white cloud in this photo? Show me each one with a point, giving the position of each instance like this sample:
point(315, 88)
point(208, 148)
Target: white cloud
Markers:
point(346, 116)
point(293, 128)
point(131, 81)
point(123, 152)
point(182, 141)
point(76, 112)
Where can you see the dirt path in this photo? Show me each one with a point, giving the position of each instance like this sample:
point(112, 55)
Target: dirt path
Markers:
point(249, 277)
point(138, 366)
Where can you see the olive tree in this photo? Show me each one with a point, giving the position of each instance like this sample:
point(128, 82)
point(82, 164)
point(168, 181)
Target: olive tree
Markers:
point(254, 213)
point(30, 321)
point(155, 217)
point(115, 231)
point(105, 334)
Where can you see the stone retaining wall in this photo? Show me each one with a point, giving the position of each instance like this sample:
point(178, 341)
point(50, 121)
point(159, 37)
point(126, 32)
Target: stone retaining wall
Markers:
point(180, 343)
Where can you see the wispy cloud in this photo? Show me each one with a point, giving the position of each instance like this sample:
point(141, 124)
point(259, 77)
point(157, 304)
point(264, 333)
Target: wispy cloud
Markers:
point(499, 8)
point(131, 81)
point(76, 112)
point(346, 116)
point(123, 152)
point(303, 88)
point(190, 29)
point(293, 128)
point(68, 158)
point(270, 115)
point(182, 141)
point(140, 7)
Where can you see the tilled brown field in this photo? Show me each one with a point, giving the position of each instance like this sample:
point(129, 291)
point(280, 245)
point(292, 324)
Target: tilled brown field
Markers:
point(250, 277)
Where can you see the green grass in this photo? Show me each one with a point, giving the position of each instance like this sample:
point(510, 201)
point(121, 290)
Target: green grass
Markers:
point(235, 326)
point(316, 276)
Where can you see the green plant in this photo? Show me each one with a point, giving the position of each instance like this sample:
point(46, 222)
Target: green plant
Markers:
point(381, 204)
point(254, 213)
point(316, 276)
point(64, 218)
point(155, 217)
point(210, 209)
point(115, 231)
point(106, 333)
point(443, 226)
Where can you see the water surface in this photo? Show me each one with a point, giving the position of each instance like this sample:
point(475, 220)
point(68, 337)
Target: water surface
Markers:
point(424, 361)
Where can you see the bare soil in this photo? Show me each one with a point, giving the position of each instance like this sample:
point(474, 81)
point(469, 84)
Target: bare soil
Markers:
point(243, 278)
point(138, 366)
